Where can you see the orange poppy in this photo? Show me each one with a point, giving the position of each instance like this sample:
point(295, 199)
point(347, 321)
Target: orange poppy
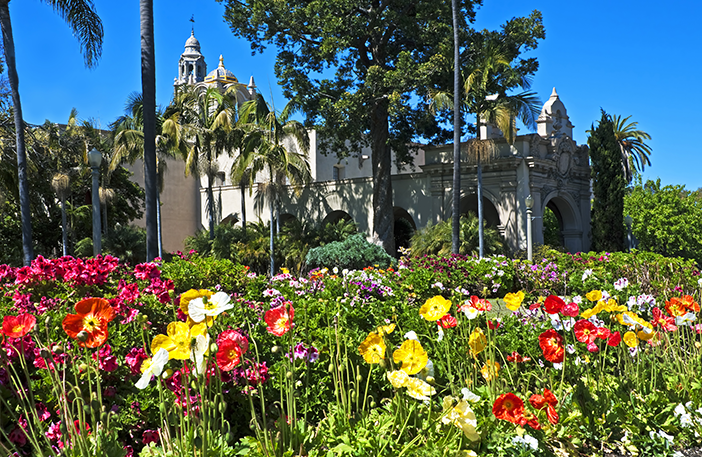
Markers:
point(546, 401)
point(679, 306)
point(18, 326)
point(510, 408)
point(89, 326)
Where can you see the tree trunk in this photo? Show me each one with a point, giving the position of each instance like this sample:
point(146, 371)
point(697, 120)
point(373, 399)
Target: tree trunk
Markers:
point(158, 224)
point(383, 219)
point(64, 226)
point(480, 199)
point(148, 87)
point(271, 242)
point(210, 206)
point(456, 211)
point(243, 208)
point(25, 211)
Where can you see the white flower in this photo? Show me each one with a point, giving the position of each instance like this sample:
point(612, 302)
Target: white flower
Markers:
point(586, 274)
point(469, 396)
point(152, 367)
point(699, 281)
point(215, 305)
point(686, 320)
point(662, 434)
point(470, 312)
point(561, 324)
point(631, 303)
point(570, 348)
point(621, 284)
point(197, 355)
point(411, 335)
point(335, 270)
point(558, 366)
point(441, 334)
point(527, 441)
point(577, 299)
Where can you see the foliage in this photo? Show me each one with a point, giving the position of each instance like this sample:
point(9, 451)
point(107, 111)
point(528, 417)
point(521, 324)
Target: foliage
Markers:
point(635, 152)
point(354, 253)
point(663, 218)
point(436, 239)
point(608, 187)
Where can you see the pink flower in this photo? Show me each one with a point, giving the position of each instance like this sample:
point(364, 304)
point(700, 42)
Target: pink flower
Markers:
point(54, 432)
point(149, 436)
point(42, 411)
point(134, 359)
point(108, 362)
point(18, 436)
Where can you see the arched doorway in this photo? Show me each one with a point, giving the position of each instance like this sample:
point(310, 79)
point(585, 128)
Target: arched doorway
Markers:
point(562, 225)
point(336, 216)
point(404, 227)
point(491, 217)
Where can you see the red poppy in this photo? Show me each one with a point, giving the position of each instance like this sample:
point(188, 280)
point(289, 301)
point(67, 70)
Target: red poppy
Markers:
point(18, 326)
point(547, 401)
point(89, 326)
point(571, 309)
point(517, 358)
point(510, 408)
point(480, 304)
point(493, 326)
point(614, 339)
point(554, 304)
point(551, 343)
point(667, 323)
point(279, 320)
point(585, 331)
point(231, 346)
point(603, 333)
point(448, 321)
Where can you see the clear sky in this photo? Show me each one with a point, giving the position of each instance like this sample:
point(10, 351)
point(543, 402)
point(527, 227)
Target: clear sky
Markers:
point(638, 58)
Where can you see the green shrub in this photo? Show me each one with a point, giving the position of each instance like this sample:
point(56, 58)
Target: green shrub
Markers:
point(436, 239)
point(354, 253)
point(199, 272)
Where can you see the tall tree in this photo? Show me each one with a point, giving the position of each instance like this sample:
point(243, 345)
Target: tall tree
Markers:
point(635, 152)
point(608, 187)
point(87, 27)
point(359, 71)
point(456, 208)
point(265, 151)
point(148, 88)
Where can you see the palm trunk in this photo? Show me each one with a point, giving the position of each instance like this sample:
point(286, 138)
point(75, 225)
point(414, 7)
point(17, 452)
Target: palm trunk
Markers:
point(158, 225)
point(64, 227)
point(210, 206)
point(243, 208)
point(480, 200)
point(383, 219)
point(271, 241)
point(456, 212)
point(148, 86)
point(25, 211)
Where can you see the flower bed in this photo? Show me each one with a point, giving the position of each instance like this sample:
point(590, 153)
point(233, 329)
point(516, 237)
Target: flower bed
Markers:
point(571, 355)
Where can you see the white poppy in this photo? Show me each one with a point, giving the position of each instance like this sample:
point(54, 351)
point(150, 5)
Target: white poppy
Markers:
point(197, 354)
point(152, 367)
point(214, 306)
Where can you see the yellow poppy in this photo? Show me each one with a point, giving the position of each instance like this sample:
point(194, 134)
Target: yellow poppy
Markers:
point(435, 308)
point(477, 342)
point(420, 390)
point(398, 378)
point(630, 339)
point(490, 370)
point(612, 306)
point(373, 348)
point(386, 329)
point(594, 295)
point(462, 416)
point(587, 314)
point(412, 356)
point(514, 300)
point(179, 339)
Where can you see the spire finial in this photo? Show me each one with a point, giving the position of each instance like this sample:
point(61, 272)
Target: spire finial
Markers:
point(192, 29)
point(553, 93)
point(221, 61)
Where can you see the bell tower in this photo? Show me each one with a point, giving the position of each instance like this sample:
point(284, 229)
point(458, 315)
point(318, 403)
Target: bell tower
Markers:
point(191, 66)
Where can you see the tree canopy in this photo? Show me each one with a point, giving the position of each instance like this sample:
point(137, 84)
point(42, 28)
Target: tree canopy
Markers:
point(361, 71)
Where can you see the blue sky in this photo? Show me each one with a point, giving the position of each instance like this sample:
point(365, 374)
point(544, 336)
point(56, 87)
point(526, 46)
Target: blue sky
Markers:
point(638, 58)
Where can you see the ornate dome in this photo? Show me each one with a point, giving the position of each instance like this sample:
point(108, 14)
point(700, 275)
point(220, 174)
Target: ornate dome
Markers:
point(192, 45)
point(221, 74)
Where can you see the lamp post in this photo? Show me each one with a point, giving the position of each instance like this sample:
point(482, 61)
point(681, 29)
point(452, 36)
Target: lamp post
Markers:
point(629, 241)
point(529, 202)
point(94, 160)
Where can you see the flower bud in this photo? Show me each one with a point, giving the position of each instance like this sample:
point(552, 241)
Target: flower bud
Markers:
point(213, 348)
point(222, 407)
point(430, 379)
point(330, 368)
point(167, 373)
point(382, 363)
point(289, 375)
point(47, 321)
point(143, 318)
point(57, 348)
point(83, 367)
point(82, 336)
point(44, 353)
point(359, 378)
point(275, 349)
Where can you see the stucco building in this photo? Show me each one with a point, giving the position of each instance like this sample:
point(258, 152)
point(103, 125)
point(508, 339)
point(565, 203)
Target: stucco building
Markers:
point(546, 164)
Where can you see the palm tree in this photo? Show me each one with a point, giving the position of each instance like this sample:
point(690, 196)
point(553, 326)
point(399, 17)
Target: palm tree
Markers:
point(148, 87)
point(87, 27)
point(635, 153)
point(456, 210)
point(264, 151)
point(208, 121)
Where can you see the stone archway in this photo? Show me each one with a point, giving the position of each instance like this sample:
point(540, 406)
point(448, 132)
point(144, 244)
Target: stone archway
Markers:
point(404, 227)
point(469, 203)
point(336, 216)
point(564, 208)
